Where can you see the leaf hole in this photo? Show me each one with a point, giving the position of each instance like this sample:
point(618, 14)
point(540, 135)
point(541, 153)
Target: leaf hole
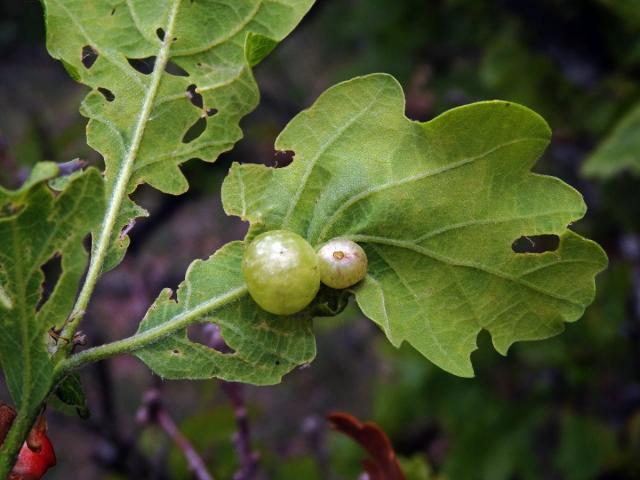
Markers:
point(143, 65)
point(211, 112)
point(176, 70)
point(175, 351)
point(194, 96)
point(536, 244)
point(107, 94)
point(209, 335)
point(160, 34)
point(281, 158)
point(52, 269)
point(89, 56)
point(195, 130)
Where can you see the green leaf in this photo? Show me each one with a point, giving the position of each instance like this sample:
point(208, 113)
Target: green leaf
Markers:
point(142, 119)
point(119, 240)
point(586, 447)
point(620, 151)
point(257, 47)
point(41, 171)
point(43, 226)
point(437, 207)
point(71, 394)
point(415, 468)
point(265, 346)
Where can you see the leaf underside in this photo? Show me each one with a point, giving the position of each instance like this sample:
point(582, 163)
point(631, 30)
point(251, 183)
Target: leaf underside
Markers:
point(39, 227)
point(437, 207)
point(160, 71)
point(264, 346)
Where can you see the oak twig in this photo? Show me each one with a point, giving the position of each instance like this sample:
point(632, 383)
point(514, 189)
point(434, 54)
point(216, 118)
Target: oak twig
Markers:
point(248, 458)
point(153, 412)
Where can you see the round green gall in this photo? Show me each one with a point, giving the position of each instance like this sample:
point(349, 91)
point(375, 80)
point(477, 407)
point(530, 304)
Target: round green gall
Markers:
point(281, 272)
point(343, 263)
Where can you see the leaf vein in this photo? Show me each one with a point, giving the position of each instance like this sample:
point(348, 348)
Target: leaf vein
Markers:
point(420, 176)
point(457, 263)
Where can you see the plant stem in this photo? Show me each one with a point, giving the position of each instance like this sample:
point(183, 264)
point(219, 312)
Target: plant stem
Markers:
point(242, 438)
point(234, 391)
point(154, 412)
point(16, 438)
point(121, 185)
point(147, 337)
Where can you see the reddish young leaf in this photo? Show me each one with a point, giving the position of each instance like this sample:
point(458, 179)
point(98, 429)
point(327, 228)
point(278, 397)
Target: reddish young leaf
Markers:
point(36, 455)
point(32, 464)
point(383, 464)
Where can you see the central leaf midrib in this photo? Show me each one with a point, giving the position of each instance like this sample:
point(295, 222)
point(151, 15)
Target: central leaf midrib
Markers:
point(21, 291)
point(349, 202)
point(314, 159)
point(457, 263)
point(125, 171)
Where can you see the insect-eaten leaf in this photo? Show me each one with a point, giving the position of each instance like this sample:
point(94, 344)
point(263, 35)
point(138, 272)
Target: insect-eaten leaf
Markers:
point(436, 206)
point(263, 346)
point(145, 62)
point(39, 227)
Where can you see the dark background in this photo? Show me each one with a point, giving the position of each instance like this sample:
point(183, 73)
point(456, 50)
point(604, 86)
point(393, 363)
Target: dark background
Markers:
point(566, 408)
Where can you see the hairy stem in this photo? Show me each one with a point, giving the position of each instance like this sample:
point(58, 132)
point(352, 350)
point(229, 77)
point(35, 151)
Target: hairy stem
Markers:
point(147, 337)
point(119, 191)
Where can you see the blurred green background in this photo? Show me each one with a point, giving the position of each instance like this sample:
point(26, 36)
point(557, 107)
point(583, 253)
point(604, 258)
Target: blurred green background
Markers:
point(566, 408)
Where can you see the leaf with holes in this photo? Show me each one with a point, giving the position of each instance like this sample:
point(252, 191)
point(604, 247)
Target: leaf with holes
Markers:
point(36, 227)
point(263, 346)
point(170, 81)
point(437, 207)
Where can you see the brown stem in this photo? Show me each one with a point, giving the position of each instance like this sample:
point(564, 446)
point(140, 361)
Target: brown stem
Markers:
point(242, 438)
point(234, 391)
point(154, 412)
